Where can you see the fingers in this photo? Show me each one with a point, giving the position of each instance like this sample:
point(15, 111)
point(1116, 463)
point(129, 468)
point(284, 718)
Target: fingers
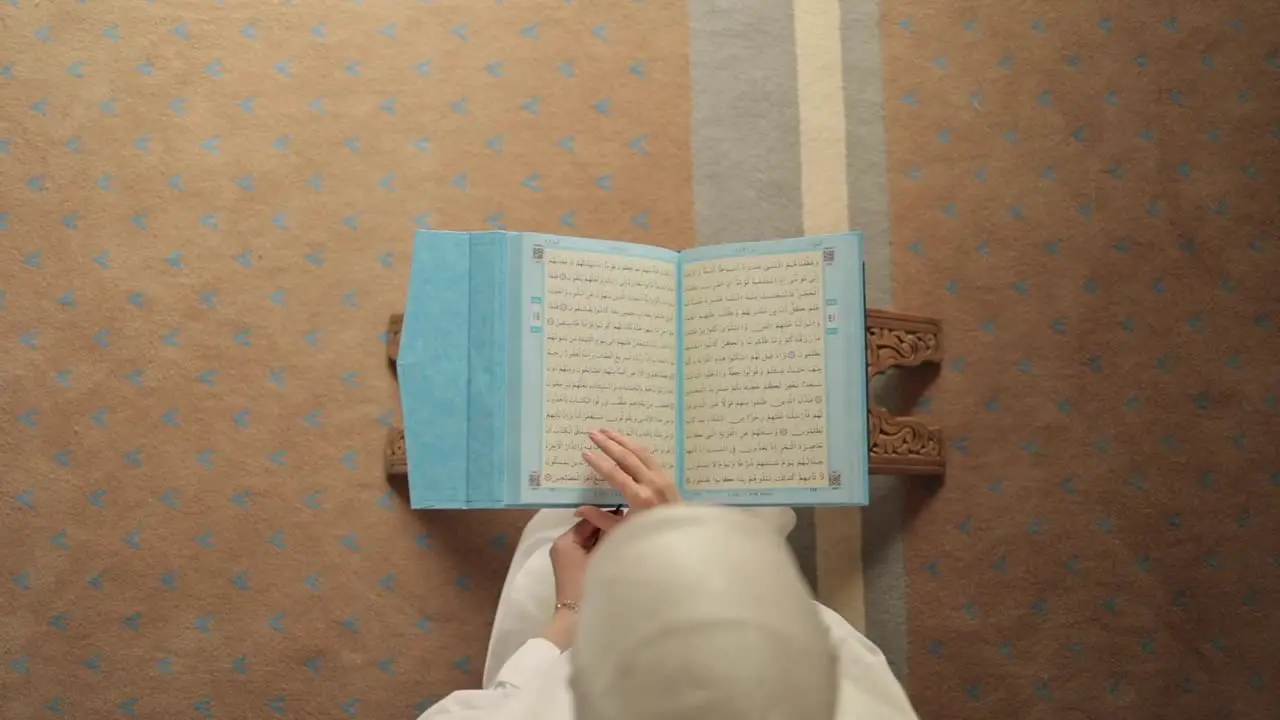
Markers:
point(617, 478)
point(630, 469)
point(598, 517)
point(624, 457)
point(642, 454)
point(656, 480)
point(583, 532)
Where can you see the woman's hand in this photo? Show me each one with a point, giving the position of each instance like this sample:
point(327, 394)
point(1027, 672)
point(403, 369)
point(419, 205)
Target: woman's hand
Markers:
point(631, 470)
point(569, 565)
point(569, 560)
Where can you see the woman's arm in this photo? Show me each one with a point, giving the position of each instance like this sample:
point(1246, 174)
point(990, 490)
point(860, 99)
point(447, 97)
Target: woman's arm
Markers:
point(534, 662)
point(562, 628)
point(531, 664)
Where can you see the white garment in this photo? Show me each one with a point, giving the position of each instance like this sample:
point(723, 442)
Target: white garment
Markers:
point(527, 677)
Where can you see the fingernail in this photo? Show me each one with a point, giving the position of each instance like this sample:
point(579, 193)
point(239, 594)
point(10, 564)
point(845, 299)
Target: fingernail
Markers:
point(586, 455)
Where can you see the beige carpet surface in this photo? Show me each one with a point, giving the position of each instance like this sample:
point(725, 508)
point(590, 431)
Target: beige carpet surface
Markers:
point(1085, 194)
point(206, 214)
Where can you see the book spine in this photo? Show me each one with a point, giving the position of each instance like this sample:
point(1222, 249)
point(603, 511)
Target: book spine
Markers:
point(488, 376)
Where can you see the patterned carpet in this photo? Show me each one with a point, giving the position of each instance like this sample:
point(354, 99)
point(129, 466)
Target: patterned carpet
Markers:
point(206, 211)
point(207, 216)
point(1086, 196)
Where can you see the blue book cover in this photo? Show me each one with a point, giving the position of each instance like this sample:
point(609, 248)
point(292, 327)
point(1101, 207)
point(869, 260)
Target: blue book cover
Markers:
point(741, 366)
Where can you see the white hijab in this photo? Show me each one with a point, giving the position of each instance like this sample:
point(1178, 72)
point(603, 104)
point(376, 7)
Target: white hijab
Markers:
point(700, 613)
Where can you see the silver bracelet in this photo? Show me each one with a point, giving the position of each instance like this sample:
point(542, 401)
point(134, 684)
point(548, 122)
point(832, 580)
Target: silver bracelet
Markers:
point(567, 605)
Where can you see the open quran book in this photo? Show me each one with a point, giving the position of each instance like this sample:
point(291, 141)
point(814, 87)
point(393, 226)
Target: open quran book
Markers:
point(743, 368)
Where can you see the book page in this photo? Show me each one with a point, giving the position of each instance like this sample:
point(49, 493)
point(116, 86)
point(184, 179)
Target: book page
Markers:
point(610, 334)
point(755, 380)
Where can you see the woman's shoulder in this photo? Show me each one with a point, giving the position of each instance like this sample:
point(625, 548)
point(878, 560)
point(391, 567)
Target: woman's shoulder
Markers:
point(846, 637)
point(868, 687)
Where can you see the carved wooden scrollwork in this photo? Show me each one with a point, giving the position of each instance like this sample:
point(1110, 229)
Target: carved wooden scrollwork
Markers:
point(394, 454)
point(889, 347)
point(394, 325)
point(904, 444)
point(899, 339)
point(901, 446)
